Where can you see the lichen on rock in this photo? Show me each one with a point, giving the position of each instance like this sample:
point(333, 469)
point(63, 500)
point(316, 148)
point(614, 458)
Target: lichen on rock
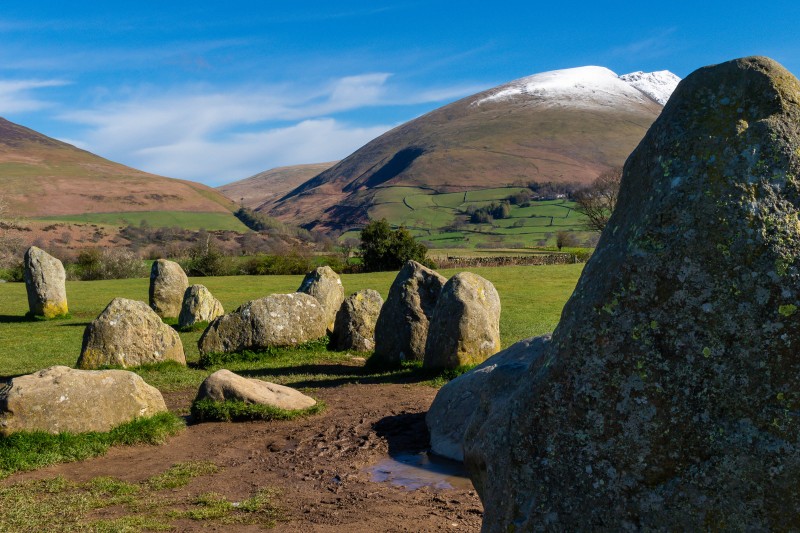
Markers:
point(668, 397)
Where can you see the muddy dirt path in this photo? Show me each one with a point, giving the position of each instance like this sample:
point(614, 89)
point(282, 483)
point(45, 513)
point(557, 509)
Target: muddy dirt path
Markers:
point(320, 465)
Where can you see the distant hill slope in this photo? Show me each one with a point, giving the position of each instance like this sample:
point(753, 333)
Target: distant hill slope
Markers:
point(561, 126)
point(271, 184)
point(41, 176)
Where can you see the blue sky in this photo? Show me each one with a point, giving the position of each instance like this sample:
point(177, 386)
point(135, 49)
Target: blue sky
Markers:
point(217, 91)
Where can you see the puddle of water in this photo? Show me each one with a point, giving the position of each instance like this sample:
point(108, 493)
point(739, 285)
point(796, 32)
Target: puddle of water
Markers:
point(413, 471)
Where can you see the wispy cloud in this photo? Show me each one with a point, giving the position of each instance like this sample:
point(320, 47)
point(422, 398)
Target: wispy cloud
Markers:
point(217, 136)
point(654, 46)
point(16, 95)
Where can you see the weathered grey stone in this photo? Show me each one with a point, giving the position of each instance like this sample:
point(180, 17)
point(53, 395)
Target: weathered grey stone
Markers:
point(668, 397)
point(129, 333)
point(465, 327)
point(199, 305)
point(275, 320)
point(355, 321)
point(326, 286)
point(168, 283)
point(402, 328)
point(493, 381)
point(45, 282)
point(59, 399)
point(224, 385)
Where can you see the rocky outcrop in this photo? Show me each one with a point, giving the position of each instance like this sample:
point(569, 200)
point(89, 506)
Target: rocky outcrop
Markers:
point(168, 283)
point(129, 333)
point(45, 283)
point(275, 320)
point(667, 398)
point(493, 381)
point(199, 305)
point(326, 286)
point(355, 322)
point(59, 399)
point(402, 327)
point(224, 385)
point(465, 327)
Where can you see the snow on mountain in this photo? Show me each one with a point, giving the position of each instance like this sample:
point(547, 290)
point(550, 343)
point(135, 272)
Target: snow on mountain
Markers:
point(587, 87)
point(657, 85)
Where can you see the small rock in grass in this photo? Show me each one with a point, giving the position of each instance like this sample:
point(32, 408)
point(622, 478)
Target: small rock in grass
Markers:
point(168, 283)
point(326, 286)
point(199, 305)
point(45, 283)
point(129, 333)
point(224, 385)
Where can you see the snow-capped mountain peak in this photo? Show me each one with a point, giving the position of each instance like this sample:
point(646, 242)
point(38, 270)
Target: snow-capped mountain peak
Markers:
point(587, 87)
point(657, 85)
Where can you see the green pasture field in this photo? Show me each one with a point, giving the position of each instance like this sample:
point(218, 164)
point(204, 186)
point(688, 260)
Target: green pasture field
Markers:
point(158, 219)
point(425, 214)
point(532, 299)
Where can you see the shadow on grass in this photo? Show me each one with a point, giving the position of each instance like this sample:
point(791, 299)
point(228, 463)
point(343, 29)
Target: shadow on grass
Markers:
point(75, 325)
point(341, 374)
point(11, 319)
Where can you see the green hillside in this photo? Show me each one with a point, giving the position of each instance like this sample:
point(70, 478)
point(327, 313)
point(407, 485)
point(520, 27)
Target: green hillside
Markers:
point(158, 219)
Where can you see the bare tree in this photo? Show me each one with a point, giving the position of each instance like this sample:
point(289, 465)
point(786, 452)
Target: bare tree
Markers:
point(597, 201)
point(565, 238)
point(9, 243)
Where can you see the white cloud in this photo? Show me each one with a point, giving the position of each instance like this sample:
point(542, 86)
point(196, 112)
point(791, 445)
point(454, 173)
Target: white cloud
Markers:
point(16, 97)
point(241, 155)
point(217, 136)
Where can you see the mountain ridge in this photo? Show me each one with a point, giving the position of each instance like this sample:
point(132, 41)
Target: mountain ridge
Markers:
point(482, 141)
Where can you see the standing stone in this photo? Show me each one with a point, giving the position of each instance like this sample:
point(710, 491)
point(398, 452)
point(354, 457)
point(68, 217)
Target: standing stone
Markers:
point(326, 286)
point(168, 283)
point(199, 305)
point(355, 321)
point(668, 397)
point(465, 328)
point(223, 385)
point(59, 399)
point(45, 282)
point(129, 333)
point(402, 327)
point(275, 320)
point(457, 401)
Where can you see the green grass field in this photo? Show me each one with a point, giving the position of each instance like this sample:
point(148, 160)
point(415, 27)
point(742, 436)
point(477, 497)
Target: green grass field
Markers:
point(158, 219)
point(426, 213)
point(532, 299)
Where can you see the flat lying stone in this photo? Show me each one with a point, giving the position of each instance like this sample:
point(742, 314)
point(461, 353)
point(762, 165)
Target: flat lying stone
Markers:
point(59, 399)
point(224, 385)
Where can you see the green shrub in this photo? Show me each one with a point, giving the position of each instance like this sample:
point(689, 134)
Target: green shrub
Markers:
point(383, 248)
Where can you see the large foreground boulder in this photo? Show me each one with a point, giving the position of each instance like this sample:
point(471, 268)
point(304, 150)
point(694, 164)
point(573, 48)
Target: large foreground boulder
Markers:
point(493, 380)
point(465, 327)
point(199, 305)
point(275, 320)
point(168, 283)
point(326, 286)
point(45, 283)
point(129, 333)
point(355, 321)
point(668, 397)
point(59, 399)
point(224, 385)
point(402, 328)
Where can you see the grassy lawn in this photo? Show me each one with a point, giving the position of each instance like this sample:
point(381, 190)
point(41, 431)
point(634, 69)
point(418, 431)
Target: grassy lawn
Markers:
point(532, 299)
point(158, 219)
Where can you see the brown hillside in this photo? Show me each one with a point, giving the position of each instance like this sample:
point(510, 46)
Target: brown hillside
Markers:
point(41, 176)
point(272, 184)
point(481, 142)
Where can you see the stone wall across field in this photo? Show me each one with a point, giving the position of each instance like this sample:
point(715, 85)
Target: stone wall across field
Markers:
point(517, 260)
